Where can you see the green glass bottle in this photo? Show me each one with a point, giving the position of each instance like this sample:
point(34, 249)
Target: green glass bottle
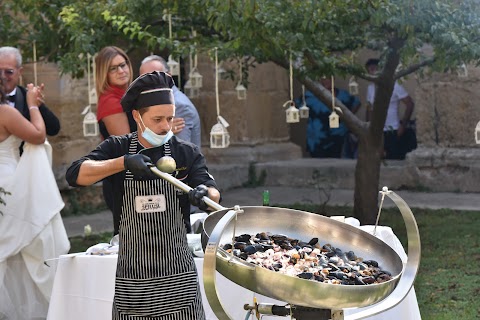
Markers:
point(266, 198)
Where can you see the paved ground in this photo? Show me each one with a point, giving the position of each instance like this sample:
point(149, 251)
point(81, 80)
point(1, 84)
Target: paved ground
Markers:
point(102, 221)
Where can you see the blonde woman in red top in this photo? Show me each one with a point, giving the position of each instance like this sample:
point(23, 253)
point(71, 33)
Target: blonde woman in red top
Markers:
point(113, 74)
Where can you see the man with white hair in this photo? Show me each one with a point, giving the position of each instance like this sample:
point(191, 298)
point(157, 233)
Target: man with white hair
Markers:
point(10, 72)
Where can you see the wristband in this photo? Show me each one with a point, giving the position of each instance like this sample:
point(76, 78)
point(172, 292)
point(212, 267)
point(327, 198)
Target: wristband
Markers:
point(33, 107)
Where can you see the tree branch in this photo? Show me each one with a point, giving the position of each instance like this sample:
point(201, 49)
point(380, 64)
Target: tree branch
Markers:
point(414, 67)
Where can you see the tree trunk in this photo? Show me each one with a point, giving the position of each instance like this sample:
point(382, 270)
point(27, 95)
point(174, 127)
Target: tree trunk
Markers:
point(367, 177)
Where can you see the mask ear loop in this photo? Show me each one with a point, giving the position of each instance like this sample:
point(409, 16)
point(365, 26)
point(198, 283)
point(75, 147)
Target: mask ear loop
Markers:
point(141, 120)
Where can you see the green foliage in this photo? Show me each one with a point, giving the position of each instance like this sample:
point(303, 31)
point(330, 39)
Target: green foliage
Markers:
point(253, 180)
point(81, 201)
point(321, 34)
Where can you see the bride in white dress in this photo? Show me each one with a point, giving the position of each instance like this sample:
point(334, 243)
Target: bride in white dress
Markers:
point(31, 229)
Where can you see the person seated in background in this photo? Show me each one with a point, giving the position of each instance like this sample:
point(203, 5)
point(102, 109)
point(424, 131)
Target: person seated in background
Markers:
point(189, 124)
point(11, 71)
point(153, 251)
point(31, 228)
point(323, 141)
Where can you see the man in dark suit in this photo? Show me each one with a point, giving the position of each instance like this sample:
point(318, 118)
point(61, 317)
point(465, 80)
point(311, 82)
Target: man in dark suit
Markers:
point(10, 72)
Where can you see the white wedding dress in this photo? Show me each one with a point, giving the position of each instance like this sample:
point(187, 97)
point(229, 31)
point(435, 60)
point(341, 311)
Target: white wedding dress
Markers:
point(31, 230)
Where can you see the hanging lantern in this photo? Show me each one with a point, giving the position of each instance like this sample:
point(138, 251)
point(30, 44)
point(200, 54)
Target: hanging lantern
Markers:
point(196, 79)
point(241, 91)
point(462, 71)
point(90, 124)
point(292, 113)
point(353, 86)
point(191, 91)
point(240, 88)
point(333, 119)
point(219, 137)
point(477, 133)
point(173, 66)
point(304, 111)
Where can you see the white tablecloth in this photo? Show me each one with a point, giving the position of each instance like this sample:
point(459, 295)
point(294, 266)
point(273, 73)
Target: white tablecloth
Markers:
point(84, 287)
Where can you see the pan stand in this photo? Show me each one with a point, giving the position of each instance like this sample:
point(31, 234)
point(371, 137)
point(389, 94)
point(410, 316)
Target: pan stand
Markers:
point(402, 289)
point(296, 312)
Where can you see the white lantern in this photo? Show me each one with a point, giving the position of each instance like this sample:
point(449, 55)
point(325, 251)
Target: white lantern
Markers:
point(196, 79)
point(334, 120)
point(353, 86)
point(292, 113)
point(173, 66)
point(304, 111)
point(90, 124)
point(477, 133)
point(190, 91)
point(241, 91)
point(219, 137)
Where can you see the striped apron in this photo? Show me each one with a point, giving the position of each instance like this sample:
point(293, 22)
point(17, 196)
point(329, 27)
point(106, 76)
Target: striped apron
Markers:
point(156, 276)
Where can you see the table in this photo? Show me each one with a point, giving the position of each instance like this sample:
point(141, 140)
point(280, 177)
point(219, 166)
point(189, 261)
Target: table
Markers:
point(84, 287)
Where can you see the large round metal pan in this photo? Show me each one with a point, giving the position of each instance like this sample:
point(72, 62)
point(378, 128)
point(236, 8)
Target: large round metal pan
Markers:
point(304, 226)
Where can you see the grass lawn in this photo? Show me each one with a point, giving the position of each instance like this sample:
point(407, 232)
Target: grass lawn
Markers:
point(448, 281)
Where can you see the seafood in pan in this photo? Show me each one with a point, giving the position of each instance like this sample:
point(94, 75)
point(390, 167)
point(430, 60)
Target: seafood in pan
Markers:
point(307, 260)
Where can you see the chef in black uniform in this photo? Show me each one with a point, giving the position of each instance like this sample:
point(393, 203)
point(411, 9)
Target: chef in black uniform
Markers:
point(156, 275)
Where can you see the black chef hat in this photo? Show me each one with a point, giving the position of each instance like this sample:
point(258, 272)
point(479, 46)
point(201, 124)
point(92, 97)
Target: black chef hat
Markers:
point(147, 90)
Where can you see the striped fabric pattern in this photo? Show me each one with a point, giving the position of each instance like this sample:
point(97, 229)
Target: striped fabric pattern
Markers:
point(156, 276)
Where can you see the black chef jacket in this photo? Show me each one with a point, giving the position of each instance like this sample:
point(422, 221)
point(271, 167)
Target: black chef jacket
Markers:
point(191, 166)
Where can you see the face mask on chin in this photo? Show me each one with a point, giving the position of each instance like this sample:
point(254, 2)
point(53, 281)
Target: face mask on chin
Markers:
point(154, 139)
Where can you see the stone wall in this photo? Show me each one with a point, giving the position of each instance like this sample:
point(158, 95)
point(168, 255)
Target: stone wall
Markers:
point(448, 159)
point(448, 110)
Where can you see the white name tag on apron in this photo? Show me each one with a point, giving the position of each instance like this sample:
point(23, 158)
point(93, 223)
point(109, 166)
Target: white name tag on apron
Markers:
point(147, 204)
